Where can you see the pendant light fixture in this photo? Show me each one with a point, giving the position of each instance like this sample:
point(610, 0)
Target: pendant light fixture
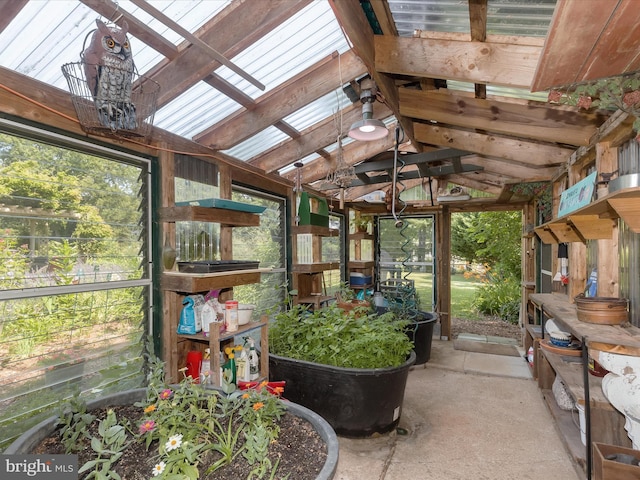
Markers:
point(368, 128)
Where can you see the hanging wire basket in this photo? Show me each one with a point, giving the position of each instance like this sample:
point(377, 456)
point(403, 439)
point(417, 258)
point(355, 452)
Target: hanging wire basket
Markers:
point(127, 111)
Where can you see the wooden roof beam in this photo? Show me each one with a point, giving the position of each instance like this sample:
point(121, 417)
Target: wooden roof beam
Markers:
point(476, 62)
point(9, 11)
point(536, 121)
point(517, 149)
point(478, 28)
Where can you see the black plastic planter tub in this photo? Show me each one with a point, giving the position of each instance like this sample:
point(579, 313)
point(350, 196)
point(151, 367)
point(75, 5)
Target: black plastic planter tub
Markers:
point(356, 402)
point(421, 334)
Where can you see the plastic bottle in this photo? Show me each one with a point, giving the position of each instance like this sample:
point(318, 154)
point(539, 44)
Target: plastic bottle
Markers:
point(229, 381)
point(231, 315)
point(204, 368)
point(242, 365)
point(254, 363)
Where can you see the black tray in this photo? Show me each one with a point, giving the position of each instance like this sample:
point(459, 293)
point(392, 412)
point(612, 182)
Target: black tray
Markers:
point(211, 266)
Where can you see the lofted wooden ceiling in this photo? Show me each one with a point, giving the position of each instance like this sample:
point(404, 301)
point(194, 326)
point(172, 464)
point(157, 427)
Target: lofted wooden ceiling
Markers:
point(504, 140)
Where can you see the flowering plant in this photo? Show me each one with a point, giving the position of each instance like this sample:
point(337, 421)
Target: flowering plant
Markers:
point(187, 430)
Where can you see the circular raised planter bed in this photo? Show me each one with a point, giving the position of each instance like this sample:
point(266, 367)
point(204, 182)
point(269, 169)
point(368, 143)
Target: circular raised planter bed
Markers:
point(356, 402)
point(26, 442)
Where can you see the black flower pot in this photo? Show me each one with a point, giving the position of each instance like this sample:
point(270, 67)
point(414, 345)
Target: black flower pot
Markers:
point(356, 402)
point(420, 332)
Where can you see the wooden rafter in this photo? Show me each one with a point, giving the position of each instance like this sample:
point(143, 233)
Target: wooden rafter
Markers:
point(536, 121)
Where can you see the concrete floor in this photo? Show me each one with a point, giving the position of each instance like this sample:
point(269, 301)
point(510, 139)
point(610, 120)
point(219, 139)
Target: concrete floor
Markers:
point(469, 416)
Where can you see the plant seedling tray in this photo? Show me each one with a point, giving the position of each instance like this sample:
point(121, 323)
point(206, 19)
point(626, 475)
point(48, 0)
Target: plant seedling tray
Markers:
point(211, 266)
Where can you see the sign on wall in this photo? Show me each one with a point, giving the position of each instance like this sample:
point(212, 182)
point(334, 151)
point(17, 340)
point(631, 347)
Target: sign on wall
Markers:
point(578, 195)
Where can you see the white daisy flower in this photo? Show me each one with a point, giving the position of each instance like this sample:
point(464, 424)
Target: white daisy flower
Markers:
point(174, 442)
point(159, 468)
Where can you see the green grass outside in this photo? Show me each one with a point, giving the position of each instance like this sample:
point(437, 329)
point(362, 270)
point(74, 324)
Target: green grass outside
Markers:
point(463, 291)
point(462, 294)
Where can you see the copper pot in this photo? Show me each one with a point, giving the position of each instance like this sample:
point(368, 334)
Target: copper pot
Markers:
point(602, 310)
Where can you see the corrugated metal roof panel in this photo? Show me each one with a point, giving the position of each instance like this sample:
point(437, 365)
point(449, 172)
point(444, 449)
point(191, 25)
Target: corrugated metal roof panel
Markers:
point(517, 17)
point(430, 15)
point(63, 27)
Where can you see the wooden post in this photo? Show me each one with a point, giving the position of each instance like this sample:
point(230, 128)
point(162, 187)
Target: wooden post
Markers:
point(443, 276)
point(608, 258)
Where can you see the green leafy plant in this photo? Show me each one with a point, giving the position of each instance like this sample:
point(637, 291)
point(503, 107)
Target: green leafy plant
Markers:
point(362, 222)
point(73, 423)
point(501, 297)
point(332, 336)
point(109, 444)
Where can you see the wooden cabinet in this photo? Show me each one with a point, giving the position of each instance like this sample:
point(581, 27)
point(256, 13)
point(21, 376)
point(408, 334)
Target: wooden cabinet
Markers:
point(606, 423)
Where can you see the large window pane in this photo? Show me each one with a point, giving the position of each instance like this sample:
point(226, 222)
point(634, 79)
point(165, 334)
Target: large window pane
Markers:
point(74, 275)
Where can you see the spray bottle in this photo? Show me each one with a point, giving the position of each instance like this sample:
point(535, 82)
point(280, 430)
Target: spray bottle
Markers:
point(254, 363)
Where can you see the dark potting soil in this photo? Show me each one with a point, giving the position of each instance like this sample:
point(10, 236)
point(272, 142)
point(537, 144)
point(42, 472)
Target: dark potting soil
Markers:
point(299, 448)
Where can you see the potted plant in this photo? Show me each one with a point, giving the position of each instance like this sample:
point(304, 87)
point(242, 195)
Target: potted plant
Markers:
point(350, 369)
point(184, 431)
point(346, 299)
point(361, 222)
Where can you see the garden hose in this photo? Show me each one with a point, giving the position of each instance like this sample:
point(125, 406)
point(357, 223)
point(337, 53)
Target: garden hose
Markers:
point(404, 293)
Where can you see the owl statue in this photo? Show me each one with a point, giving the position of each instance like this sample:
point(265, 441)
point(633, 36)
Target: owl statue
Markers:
point(108, 67)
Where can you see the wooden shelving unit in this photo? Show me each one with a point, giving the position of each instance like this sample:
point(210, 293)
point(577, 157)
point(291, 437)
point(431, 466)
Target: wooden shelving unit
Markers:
point(607, 424)
point(223, 216)
point(216, 339)
point(308, 277)
point(596, 220)
point(356, 264)
point(175, 286)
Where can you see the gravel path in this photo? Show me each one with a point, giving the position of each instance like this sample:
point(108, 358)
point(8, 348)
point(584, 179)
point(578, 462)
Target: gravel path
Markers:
point(490, 326)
